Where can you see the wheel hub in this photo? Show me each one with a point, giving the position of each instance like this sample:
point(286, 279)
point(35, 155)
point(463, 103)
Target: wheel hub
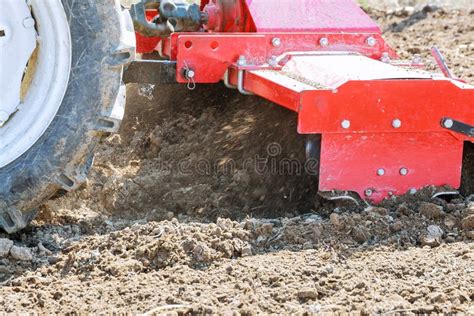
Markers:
point(17, 43)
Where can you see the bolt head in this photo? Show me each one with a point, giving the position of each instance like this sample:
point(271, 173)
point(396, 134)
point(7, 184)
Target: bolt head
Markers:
point(272, 61)
point(380, 172)
point(385, 57)
point(396, 123)
point(346, 124)
point(241, 61)
point(368, 192)
point(276, 42)
point(403, 171)
point(324, 41)
point(448, 123)
point(190, 73)
point(371, 41)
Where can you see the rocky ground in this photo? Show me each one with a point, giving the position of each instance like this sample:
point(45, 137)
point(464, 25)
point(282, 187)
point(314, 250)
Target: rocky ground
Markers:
point(173, 220)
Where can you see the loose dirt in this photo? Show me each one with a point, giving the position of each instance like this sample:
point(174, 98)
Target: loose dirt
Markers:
point(200, 205)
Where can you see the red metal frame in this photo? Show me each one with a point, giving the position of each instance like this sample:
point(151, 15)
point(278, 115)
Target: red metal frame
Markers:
point(351, 157)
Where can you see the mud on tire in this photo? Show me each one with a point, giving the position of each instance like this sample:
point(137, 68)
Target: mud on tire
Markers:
point(92, 106)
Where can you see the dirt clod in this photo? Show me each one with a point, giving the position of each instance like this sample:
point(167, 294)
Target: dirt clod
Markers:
point(430, 210)
point(5, 246)
point(21, 253)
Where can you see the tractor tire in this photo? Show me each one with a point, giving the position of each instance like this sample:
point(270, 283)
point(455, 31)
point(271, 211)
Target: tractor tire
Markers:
point(93, 105)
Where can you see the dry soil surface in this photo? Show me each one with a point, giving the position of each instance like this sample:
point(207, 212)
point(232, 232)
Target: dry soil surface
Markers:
point(185, 212)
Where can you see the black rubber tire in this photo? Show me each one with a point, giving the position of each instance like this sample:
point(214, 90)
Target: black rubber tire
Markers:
point(62, 156)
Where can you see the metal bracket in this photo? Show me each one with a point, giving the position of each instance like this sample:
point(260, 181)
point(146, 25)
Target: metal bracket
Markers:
point(227, 82)
point(150, 72)
point(458, 127)
point(240, 83)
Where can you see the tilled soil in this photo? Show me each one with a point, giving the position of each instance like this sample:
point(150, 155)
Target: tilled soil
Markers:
point(185, 212)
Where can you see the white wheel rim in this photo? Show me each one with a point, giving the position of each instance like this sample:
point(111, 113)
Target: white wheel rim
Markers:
point(49, 83)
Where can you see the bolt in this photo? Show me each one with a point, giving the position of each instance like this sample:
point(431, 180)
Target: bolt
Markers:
point(272, 61)
point(368, 192)
point(276, 42)
point(403, 171)
point(448, 123)
point(346, 124)
point(190, 73)
point(324, 41)
point(28, 22)
point(380, 172)
point(371, 41)
point(241, 61)
point(396, 123)
point(385, 58)
point(412, 191)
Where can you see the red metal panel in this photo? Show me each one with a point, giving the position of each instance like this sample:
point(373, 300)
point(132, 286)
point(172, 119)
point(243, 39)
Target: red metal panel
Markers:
point(350, 162)
point(371, 106)
point(284, 95)
point(309, 15)
point(210, 56)
point(210, 64)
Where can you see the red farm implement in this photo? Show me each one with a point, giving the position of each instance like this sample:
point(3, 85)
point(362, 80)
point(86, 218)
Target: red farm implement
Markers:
point(386, 126)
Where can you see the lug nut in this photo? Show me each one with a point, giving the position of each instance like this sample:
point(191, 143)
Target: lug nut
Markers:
point(324, 41)
point(403, 171)
point(396, 123)
point(448, 123)
point(276, 42)
point(371, 41)
point(380, 172)
point(346, 124)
